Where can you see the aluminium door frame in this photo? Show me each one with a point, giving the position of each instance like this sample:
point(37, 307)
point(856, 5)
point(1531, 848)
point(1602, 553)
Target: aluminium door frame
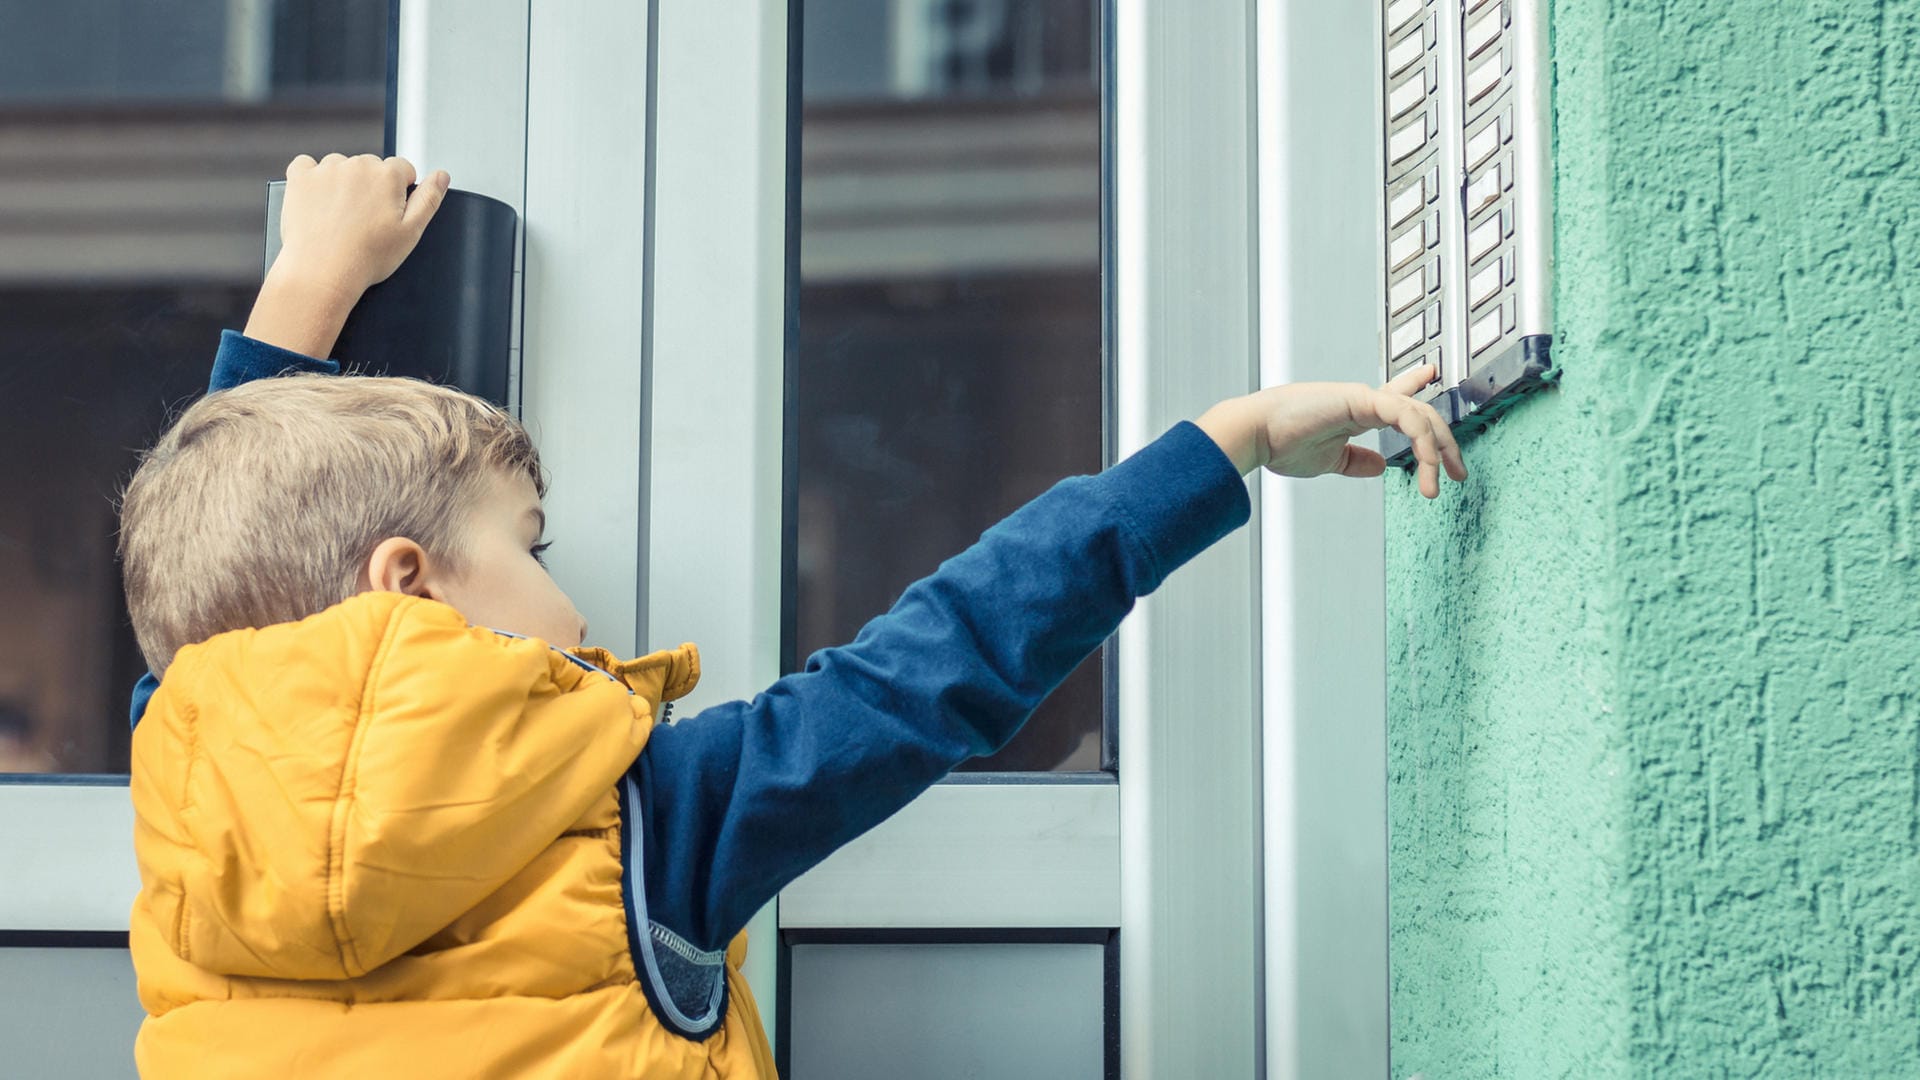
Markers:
point(1323, 555)
point(1185, 238)
point(964, 857)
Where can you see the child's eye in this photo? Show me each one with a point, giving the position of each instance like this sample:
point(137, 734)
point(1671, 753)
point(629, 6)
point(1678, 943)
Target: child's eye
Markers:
point(539, 552)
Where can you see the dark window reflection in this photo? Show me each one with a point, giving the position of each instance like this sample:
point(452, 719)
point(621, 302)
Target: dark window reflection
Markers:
point(89, 377)
point(950, 301)
point(136, 140)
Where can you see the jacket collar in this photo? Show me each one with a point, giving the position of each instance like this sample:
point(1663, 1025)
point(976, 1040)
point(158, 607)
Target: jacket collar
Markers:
point(677, 672)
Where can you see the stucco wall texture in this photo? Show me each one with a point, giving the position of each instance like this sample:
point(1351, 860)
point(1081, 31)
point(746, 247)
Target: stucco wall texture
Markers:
point(1654, 720)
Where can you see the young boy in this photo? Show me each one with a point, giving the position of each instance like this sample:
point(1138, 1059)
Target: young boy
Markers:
point(391, 818)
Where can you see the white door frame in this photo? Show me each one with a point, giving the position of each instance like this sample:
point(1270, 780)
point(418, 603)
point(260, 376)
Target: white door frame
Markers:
point(1323, 561)
point(67, 853)
point(1186, 336)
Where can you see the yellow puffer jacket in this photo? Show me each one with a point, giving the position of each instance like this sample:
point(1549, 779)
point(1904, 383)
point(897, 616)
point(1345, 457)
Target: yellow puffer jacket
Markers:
point(382, 843)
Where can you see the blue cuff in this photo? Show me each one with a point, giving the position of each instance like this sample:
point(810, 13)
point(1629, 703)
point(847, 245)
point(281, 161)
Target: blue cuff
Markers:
point(142, 693)
point(241, 359)
point(1180, 493)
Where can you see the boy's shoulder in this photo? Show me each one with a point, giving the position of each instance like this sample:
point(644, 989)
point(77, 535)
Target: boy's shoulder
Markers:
point(383, 651)
point(376, 652)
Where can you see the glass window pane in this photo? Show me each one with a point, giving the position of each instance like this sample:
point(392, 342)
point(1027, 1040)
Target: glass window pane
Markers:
point(936, 1011)
point(136, 140)
point(950, 304)
point(69, 1011)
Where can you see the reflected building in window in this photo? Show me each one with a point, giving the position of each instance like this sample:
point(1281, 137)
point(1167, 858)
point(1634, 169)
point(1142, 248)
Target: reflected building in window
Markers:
point(950, 360)
point(136, 139)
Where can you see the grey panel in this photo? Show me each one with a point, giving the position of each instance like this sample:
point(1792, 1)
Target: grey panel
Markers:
point(69, 1013)
point(947, 1012)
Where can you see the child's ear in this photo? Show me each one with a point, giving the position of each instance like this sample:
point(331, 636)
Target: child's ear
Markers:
point(398, 565)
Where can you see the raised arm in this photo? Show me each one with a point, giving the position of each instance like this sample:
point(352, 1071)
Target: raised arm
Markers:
point(742, 798)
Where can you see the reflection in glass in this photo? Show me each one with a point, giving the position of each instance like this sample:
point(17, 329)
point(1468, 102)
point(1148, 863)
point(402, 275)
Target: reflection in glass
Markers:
point(136, 139)
point(950, 301)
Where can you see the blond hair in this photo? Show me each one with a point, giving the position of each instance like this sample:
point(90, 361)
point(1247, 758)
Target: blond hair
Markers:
point(262, 504)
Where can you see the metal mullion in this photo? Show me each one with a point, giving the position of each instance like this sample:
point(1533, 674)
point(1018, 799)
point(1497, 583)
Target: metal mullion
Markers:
point(586, 320)
point(716, 335)
point(1185, 234)
point(1323, 612)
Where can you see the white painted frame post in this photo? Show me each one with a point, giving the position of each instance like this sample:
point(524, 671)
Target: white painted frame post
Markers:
point(586, 346)
point(1323, 610)
point(1184, 264)
point(718, 348)
point(548, 108)
point(66, 856)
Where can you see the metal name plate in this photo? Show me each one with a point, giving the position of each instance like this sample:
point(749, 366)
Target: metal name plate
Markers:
point(1466, 208)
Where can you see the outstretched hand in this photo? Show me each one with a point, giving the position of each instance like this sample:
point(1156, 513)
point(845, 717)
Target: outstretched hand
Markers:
point(1304, 429)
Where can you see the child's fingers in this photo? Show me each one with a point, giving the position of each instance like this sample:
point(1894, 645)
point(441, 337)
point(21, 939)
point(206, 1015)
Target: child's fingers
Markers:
point(1447, 446)
point(331, 158)
point(1433, 442)
point(1405, 385)
point(302, 164)
point(1360, 461)
point(425, 201)
point(1408, 382)
point(1456, 465)
point(1415, 420)
point(401, 168)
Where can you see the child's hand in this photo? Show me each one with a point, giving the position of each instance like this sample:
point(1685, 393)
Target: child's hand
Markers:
point(1302, 430)
point(346, 224)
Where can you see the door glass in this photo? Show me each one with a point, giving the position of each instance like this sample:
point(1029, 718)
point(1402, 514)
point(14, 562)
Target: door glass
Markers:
point(947, 1011)
point(136, 140)
point(949, 363)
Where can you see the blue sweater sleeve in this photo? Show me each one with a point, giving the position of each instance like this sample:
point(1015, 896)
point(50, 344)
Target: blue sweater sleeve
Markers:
point(240, 359)
point(744, 797)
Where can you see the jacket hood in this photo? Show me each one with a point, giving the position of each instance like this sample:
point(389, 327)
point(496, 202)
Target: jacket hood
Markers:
point(315, 798)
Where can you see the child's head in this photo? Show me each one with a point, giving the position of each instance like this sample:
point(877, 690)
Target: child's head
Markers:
point(280, 498)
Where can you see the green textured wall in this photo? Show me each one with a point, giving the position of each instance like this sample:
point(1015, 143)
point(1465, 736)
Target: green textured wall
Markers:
point(1654, 721)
